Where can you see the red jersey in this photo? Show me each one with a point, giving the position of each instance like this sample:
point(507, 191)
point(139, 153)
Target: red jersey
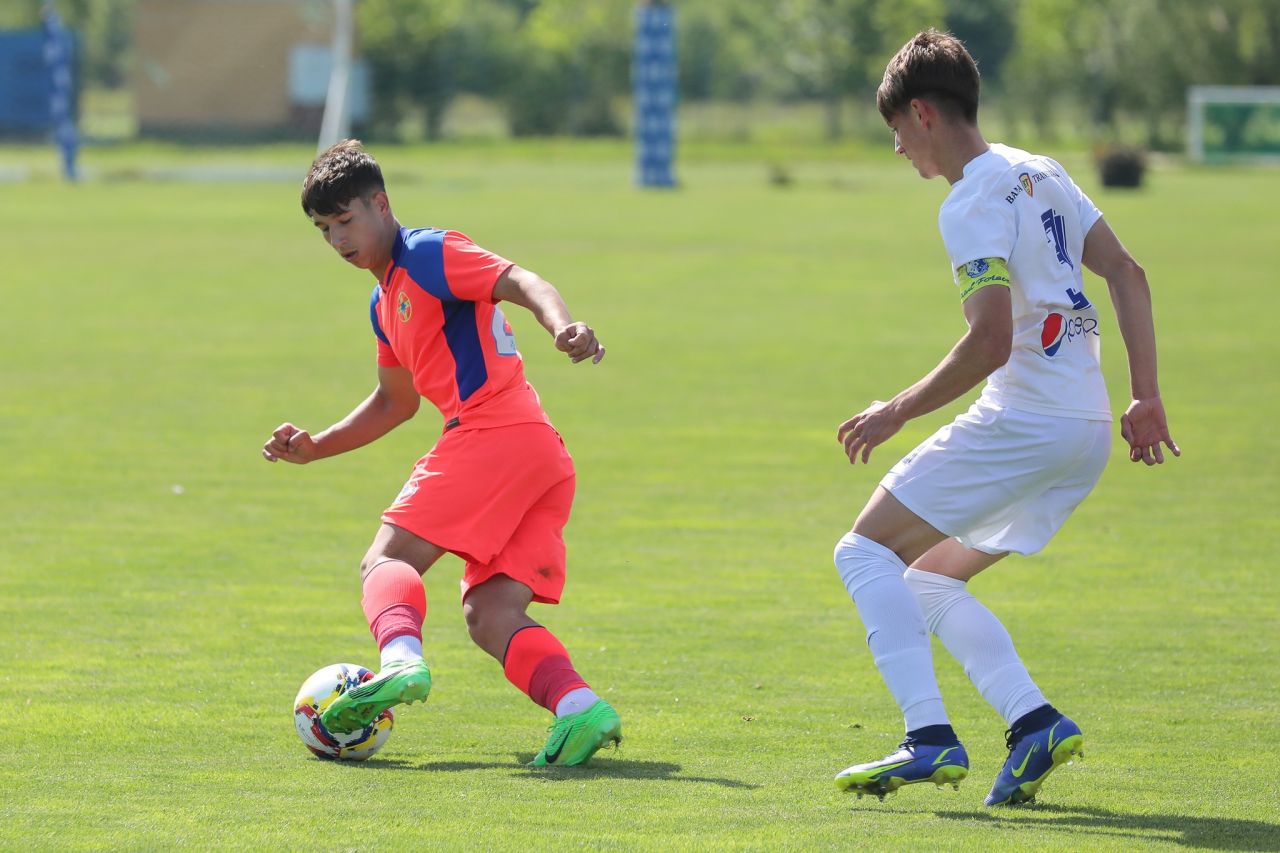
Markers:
point(434, 314)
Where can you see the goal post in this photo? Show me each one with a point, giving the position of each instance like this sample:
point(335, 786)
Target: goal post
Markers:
point(336, 122)
point(1233, 124)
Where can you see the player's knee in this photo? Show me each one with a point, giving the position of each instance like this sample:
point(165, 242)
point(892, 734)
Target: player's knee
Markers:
point(473, 616)
point(371, 561)
point(482, 624)
point(854, 547)
point(860, 559)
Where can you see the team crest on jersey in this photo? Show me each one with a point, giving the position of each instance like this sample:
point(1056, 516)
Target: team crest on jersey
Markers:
point(404, 308)
point(973, 269)
point(1025, 180)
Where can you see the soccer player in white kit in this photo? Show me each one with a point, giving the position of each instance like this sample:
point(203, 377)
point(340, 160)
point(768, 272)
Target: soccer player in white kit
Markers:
point(1004, 476)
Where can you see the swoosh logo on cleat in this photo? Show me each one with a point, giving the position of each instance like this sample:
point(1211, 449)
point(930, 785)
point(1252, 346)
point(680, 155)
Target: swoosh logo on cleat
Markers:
point(943, 754)
point(1022, 768)
point(880, 770)
point(552, 756)
point(1051, 744)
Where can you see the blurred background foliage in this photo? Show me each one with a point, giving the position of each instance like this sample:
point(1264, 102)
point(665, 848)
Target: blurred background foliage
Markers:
point(561, 67)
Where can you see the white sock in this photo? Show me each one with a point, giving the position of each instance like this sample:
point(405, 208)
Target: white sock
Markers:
point(578, 699)
point(401, 649)
point(895, 626)
point(975, 637)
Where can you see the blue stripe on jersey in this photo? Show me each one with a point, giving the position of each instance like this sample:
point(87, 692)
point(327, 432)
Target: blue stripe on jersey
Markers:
point(464, 342)
point(423, 258)
point(373, 314)
point(421, 254)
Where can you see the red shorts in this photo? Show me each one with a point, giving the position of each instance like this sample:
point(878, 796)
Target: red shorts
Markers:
point(498, 498)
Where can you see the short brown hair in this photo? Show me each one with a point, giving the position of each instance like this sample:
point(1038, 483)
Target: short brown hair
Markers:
point(935, 66)
point(342, 172)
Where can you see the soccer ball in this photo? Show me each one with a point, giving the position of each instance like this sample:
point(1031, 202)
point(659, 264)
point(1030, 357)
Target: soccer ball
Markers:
point(317, 693)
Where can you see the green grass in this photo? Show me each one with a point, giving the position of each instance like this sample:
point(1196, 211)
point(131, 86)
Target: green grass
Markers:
point(164, 591)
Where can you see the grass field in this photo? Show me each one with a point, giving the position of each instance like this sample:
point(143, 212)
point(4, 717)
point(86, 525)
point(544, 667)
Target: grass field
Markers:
point(164, 592)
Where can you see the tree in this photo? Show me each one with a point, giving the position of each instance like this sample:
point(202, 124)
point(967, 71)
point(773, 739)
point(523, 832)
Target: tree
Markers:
point(572, 59)
point(1137, 58)
point(842, 46)
point(422, 53)
point(987, 28)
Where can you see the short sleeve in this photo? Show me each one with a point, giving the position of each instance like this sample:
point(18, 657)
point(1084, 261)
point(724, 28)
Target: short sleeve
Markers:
point(470, 270)
point(974, 229)
point(1085, 208)
point(1089, 212)
point(386, 356)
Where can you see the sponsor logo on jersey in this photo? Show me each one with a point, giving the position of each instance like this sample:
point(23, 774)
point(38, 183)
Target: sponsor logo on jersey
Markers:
point(404, 308)
point(1055, 231)
point(1059, 329)
point(1027, 184)
point(1052, 333)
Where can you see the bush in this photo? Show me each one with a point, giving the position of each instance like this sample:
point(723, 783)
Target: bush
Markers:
point(1122, 167)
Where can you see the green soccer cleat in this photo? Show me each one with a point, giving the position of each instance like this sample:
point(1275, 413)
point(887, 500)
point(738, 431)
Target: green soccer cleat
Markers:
point(576, 737)
point(406, 683)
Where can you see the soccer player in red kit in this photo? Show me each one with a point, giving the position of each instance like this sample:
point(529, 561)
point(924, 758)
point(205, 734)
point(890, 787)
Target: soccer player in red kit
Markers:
point(497, 487)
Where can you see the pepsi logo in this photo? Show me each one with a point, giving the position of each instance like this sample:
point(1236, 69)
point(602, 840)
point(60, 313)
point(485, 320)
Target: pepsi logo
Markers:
point(1052, 333)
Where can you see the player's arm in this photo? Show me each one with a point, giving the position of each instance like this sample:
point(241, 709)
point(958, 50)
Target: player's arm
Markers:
point(1143, 424)
point(531, 291)
point(984, 348)
point(393, 402)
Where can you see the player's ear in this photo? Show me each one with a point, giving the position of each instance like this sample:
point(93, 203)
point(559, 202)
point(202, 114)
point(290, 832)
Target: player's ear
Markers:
point(922, 111)
point(380, 202)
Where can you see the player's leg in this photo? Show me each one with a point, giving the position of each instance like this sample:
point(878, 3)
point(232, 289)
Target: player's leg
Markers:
point(496, 595)
point(395, 605)
point(539, 665)
point(972, 633)
point(871, 560)
point(1039, 738)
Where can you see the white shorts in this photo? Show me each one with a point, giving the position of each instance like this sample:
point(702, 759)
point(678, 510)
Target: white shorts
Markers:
point(1002, 479)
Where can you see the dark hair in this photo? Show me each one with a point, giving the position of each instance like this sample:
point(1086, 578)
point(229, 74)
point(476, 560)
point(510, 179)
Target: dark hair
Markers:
point(342, 172)
point(932, 65)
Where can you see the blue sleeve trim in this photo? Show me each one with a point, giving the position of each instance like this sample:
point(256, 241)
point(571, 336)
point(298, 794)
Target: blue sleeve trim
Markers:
point(373, 314)
point(423, 259)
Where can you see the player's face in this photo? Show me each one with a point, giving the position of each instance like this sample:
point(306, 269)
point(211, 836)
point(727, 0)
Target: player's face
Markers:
point(911, 139)
point(359, 232)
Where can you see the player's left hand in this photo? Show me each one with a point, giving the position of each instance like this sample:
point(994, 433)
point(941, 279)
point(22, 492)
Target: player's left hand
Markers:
point(579, 341)
point(873, 426)
point(1144, 426)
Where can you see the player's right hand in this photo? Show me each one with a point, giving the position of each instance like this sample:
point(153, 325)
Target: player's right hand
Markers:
point(290, 444)
point(1144, 426)
point(579, 342)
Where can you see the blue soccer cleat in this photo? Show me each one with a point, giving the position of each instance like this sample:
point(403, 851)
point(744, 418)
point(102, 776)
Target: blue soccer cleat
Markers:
point(913, 762)
point(1032, 757)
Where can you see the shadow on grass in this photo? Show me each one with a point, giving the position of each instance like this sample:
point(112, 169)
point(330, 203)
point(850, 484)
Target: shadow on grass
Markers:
point(601, 768)
point(1218, 833)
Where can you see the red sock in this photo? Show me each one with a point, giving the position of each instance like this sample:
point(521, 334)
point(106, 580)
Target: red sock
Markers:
point(538, 664)
point(394, 601)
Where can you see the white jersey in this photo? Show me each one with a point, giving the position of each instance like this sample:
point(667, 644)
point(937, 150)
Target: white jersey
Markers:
point(1026, 210)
